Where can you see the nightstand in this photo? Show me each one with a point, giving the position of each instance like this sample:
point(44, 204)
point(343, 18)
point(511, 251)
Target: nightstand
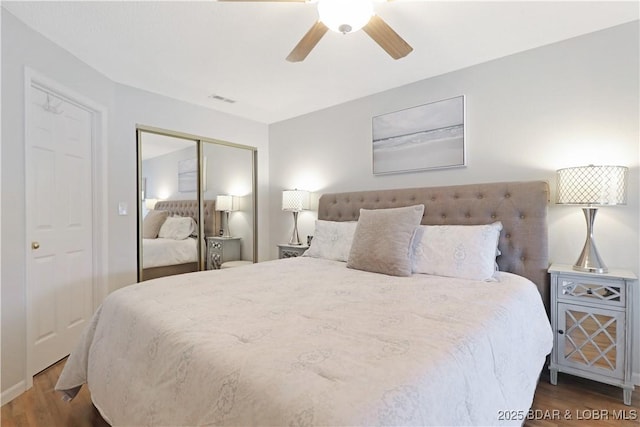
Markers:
point(592, 324)
point(221, 250)
point(291, 251)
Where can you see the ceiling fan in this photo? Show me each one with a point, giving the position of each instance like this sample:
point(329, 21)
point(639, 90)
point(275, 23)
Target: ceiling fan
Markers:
point(346, 16)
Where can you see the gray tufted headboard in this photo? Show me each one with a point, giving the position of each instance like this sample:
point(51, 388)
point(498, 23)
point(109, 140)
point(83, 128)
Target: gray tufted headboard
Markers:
point(212, 221)
point(520, 206)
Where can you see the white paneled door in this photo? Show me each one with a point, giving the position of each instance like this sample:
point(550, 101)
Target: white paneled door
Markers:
point(59, 273)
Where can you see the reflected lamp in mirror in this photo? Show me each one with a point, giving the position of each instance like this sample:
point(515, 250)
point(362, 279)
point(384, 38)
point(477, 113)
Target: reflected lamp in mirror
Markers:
point(295, 201)
point(150, 204)
point(591, 186)
point(224, 203)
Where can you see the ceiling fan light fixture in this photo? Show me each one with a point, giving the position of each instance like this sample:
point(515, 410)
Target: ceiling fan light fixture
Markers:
point(345, 16)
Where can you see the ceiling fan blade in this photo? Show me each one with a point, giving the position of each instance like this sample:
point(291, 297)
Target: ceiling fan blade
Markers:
point(388, 39)
point(308, 42)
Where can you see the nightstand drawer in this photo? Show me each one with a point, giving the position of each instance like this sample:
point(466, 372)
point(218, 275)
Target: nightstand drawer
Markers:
point(580, 289)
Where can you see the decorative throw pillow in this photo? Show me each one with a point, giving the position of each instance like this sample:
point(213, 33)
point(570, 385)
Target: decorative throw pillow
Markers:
point(152, 222)
point(383, 239)
point(332, 240)
point(464, 251)
point(177, 228)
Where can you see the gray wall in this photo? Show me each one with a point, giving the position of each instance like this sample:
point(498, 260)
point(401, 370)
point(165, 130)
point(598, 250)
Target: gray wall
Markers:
point(22, 47)
point(135, 106)
point(567, 104)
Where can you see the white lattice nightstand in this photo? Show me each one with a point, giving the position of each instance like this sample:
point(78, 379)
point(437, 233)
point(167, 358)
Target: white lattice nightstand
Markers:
point(290, 251)
point(591, 315)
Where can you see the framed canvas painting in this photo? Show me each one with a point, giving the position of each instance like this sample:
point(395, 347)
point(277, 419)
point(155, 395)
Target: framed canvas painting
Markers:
point(188, 175)
point(429, 136)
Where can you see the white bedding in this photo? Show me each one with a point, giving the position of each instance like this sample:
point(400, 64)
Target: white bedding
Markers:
point(306, 341)
point(161, 252)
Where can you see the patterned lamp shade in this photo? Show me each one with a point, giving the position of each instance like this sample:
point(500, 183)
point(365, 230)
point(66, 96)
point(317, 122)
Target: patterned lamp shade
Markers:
point(592, 185)
point(295, 200)
point(224, 203)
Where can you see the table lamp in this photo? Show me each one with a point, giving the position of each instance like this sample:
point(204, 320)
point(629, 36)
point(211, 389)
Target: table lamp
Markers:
point(295, 201)
point(591, 186)
point(224, 203)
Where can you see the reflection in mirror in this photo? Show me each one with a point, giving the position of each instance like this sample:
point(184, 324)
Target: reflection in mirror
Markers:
point(228, 179)
point(183, 178)
point(169, 205)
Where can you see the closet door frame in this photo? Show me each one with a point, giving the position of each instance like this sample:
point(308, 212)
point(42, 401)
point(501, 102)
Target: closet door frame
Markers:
point(200, 141)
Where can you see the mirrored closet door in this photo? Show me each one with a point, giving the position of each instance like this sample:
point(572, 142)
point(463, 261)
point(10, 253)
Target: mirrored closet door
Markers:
point(196, 203)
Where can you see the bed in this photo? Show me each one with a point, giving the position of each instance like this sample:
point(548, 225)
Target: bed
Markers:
point(166, 257)
point(316, 341)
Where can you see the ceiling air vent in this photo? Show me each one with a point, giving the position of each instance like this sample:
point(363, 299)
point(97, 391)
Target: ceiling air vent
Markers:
point(222, 98)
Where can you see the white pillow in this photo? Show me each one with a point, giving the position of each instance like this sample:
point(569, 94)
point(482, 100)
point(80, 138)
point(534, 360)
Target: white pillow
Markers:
point(332, 240)
point(464, 251)
point(177, 228)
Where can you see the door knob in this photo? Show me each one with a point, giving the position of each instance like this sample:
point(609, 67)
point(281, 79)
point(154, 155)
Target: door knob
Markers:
point(35, 245)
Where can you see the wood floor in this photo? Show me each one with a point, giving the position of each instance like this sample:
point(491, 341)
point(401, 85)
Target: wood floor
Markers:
point(573, 402)
point(582, 403)
point(41, 406)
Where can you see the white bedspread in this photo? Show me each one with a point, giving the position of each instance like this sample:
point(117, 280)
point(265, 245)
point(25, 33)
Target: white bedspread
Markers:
point(161, 252)
point(305, 341)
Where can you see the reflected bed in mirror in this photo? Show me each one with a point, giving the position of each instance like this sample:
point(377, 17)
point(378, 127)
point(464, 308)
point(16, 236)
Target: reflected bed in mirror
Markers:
point(175, 250)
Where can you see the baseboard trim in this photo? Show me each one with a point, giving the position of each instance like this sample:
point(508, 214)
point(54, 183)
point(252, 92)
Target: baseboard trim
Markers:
point(13, 392)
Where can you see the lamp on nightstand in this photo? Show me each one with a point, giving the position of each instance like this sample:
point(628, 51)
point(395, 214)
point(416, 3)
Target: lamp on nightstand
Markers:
point(592, 186)
point(224, 203)
point(295, 201)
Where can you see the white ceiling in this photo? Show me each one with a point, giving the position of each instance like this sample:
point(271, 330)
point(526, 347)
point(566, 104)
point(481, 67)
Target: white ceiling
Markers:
point(191, 50)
